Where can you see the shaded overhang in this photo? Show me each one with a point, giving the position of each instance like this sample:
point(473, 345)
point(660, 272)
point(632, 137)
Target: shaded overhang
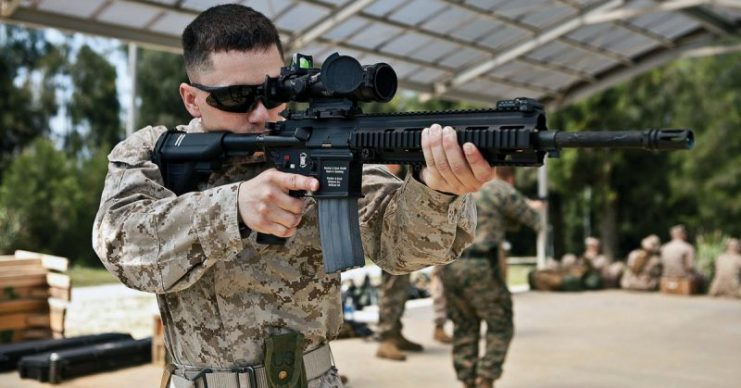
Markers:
point(481, 51)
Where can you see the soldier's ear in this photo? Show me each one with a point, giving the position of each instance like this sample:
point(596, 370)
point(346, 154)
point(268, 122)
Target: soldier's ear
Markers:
point(189, 94)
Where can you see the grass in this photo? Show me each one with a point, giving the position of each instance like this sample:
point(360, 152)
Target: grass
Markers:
point(86, 276)
point(517, 274)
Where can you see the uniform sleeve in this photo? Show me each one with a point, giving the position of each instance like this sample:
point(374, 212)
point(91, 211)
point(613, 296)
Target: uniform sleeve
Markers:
point(515, 207)
point(406, 226)
point(151, 239)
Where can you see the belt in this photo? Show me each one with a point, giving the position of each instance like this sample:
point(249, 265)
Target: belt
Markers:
point(317, 362)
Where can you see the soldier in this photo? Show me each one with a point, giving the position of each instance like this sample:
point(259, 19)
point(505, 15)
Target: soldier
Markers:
point(727, 280)
point(609, 272)
point(474, 288)
point(439, 310)
point(392, 297)
point(678, 258)
point(239, 313)
point(643, 270)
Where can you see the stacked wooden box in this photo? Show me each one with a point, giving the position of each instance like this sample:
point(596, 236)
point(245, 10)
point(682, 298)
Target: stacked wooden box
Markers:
point(34, 294)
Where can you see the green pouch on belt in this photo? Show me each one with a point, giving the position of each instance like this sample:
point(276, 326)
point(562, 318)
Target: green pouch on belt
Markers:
point(284, 361)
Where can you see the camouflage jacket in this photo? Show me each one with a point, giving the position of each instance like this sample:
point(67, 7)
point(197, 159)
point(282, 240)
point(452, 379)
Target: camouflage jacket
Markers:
point(499, 205)
point(220, 294)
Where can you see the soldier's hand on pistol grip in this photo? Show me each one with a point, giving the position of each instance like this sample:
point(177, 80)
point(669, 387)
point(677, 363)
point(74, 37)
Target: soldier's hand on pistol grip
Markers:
point(266, 207)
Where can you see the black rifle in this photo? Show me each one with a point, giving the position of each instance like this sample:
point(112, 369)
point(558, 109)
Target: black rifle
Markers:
point(332, 139)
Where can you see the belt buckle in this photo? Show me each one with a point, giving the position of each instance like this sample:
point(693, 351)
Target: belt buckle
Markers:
point(250, 370)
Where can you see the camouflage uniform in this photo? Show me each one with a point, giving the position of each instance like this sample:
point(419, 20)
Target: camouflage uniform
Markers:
point(393, 294)
point(727, 281)
point(220, 293)
point(474, 290)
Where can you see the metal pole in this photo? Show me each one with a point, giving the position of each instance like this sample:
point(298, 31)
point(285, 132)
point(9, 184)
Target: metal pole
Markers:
point(131, 115)
point(543, 234)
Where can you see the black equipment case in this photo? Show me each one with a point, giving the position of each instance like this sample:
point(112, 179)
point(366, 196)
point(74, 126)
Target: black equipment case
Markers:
point(54, 367)
point(11, 353)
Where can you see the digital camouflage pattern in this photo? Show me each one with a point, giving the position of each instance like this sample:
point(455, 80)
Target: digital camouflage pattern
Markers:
point(499, 207)
point(474, 289)
point(474, 292)
point(220, 294)
point(393, 294)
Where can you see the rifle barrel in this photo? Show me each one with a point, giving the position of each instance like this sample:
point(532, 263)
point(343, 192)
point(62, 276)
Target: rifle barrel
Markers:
point(650, 139)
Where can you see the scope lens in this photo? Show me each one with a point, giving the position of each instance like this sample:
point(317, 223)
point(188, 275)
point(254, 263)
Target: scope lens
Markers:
point(384, 82)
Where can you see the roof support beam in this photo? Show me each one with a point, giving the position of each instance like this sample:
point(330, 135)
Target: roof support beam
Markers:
point(335, 17)
point(43, 19)
point(625, 13)
point(700, 47)
point(535, 42)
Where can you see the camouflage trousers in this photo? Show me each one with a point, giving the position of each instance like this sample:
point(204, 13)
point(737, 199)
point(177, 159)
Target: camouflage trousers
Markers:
point(393, 294)
point(474, 292)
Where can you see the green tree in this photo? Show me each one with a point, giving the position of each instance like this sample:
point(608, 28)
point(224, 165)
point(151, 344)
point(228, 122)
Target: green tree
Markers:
point(94, 108)
point(159, 75)
point(28, 101)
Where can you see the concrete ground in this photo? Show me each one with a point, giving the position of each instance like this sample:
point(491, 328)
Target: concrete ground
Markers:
point(595, 339)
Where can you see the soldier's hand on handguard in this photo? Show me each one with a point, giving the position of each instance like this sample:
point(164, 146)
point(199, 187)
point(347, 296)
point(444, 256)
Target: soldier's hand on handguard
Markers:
point(265, 205)
point(450, 167)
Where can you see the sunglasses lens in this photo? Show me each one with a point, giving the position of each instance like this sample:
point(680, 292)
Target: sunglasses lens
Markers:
point(233, 99)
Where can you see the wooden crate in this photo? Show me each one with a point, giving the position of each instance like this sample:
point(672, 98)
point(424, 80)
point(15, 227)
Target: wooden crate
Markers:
point(676, 286)
point(33, 298)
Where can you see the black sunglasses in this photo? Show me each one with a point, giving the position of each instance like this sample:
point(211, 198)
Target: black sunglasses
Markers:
point(235, 98)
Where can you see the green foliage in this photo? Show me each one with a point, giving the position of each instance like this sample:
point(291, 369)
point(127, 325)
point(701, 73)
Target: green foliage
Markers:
point(652, 191)
point(48, 202)
point(159, 75)
point(94, 107)
point(709, 247)
point(26, 104)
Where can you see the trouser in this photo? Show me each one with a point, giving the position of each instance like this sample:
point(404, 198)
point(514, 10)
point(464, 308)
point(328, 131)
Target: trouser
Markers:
point(440, 313)
point(475, 292)
point(393, 294)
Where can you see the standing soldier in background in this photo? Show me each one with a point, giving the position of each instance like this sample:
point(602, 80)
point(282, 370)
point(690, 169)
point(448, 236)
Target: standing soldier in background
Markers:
point(392, 296)
point(473, 285)
point(439, 310)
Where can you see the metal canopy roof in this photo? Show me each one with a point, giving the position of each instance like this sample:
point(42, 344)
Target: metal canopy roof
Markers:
point(475, 50)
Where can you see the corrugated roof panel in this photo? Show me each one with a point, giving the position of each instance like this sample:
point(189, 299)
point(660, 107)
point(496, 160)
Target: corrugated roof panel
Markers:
point(633, 45)
point(448, 20)
point(465, 56)
point(548, 15)
point(167, 2)
point(300, 17)
point(520, 9)
point(515, 70)
point(416, 11)
point(80, 9)
point(572, 57)
point(269, 8)
point(475, 29)
point(433, 52)
point(128, 14)
point(337, 2)
point(383, 7)
point(406, 43)
point(504, 37)
point(551, 80)
point(666, 24)
point(487, 5)
point(172, 23)
point(347, 28)
point(198, 5)
point(374, 35)
point(427, 75)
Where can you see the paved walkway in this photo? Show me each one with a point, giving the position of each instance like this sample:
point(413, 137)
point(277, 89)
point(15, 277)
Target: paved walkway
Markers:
point(597, 339)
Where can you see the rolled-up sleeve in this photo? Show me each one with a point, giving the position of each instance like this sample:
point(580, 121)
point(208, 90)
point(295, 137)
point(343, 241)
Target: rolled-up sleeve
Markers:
point(406, 225)
point(151, 239)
